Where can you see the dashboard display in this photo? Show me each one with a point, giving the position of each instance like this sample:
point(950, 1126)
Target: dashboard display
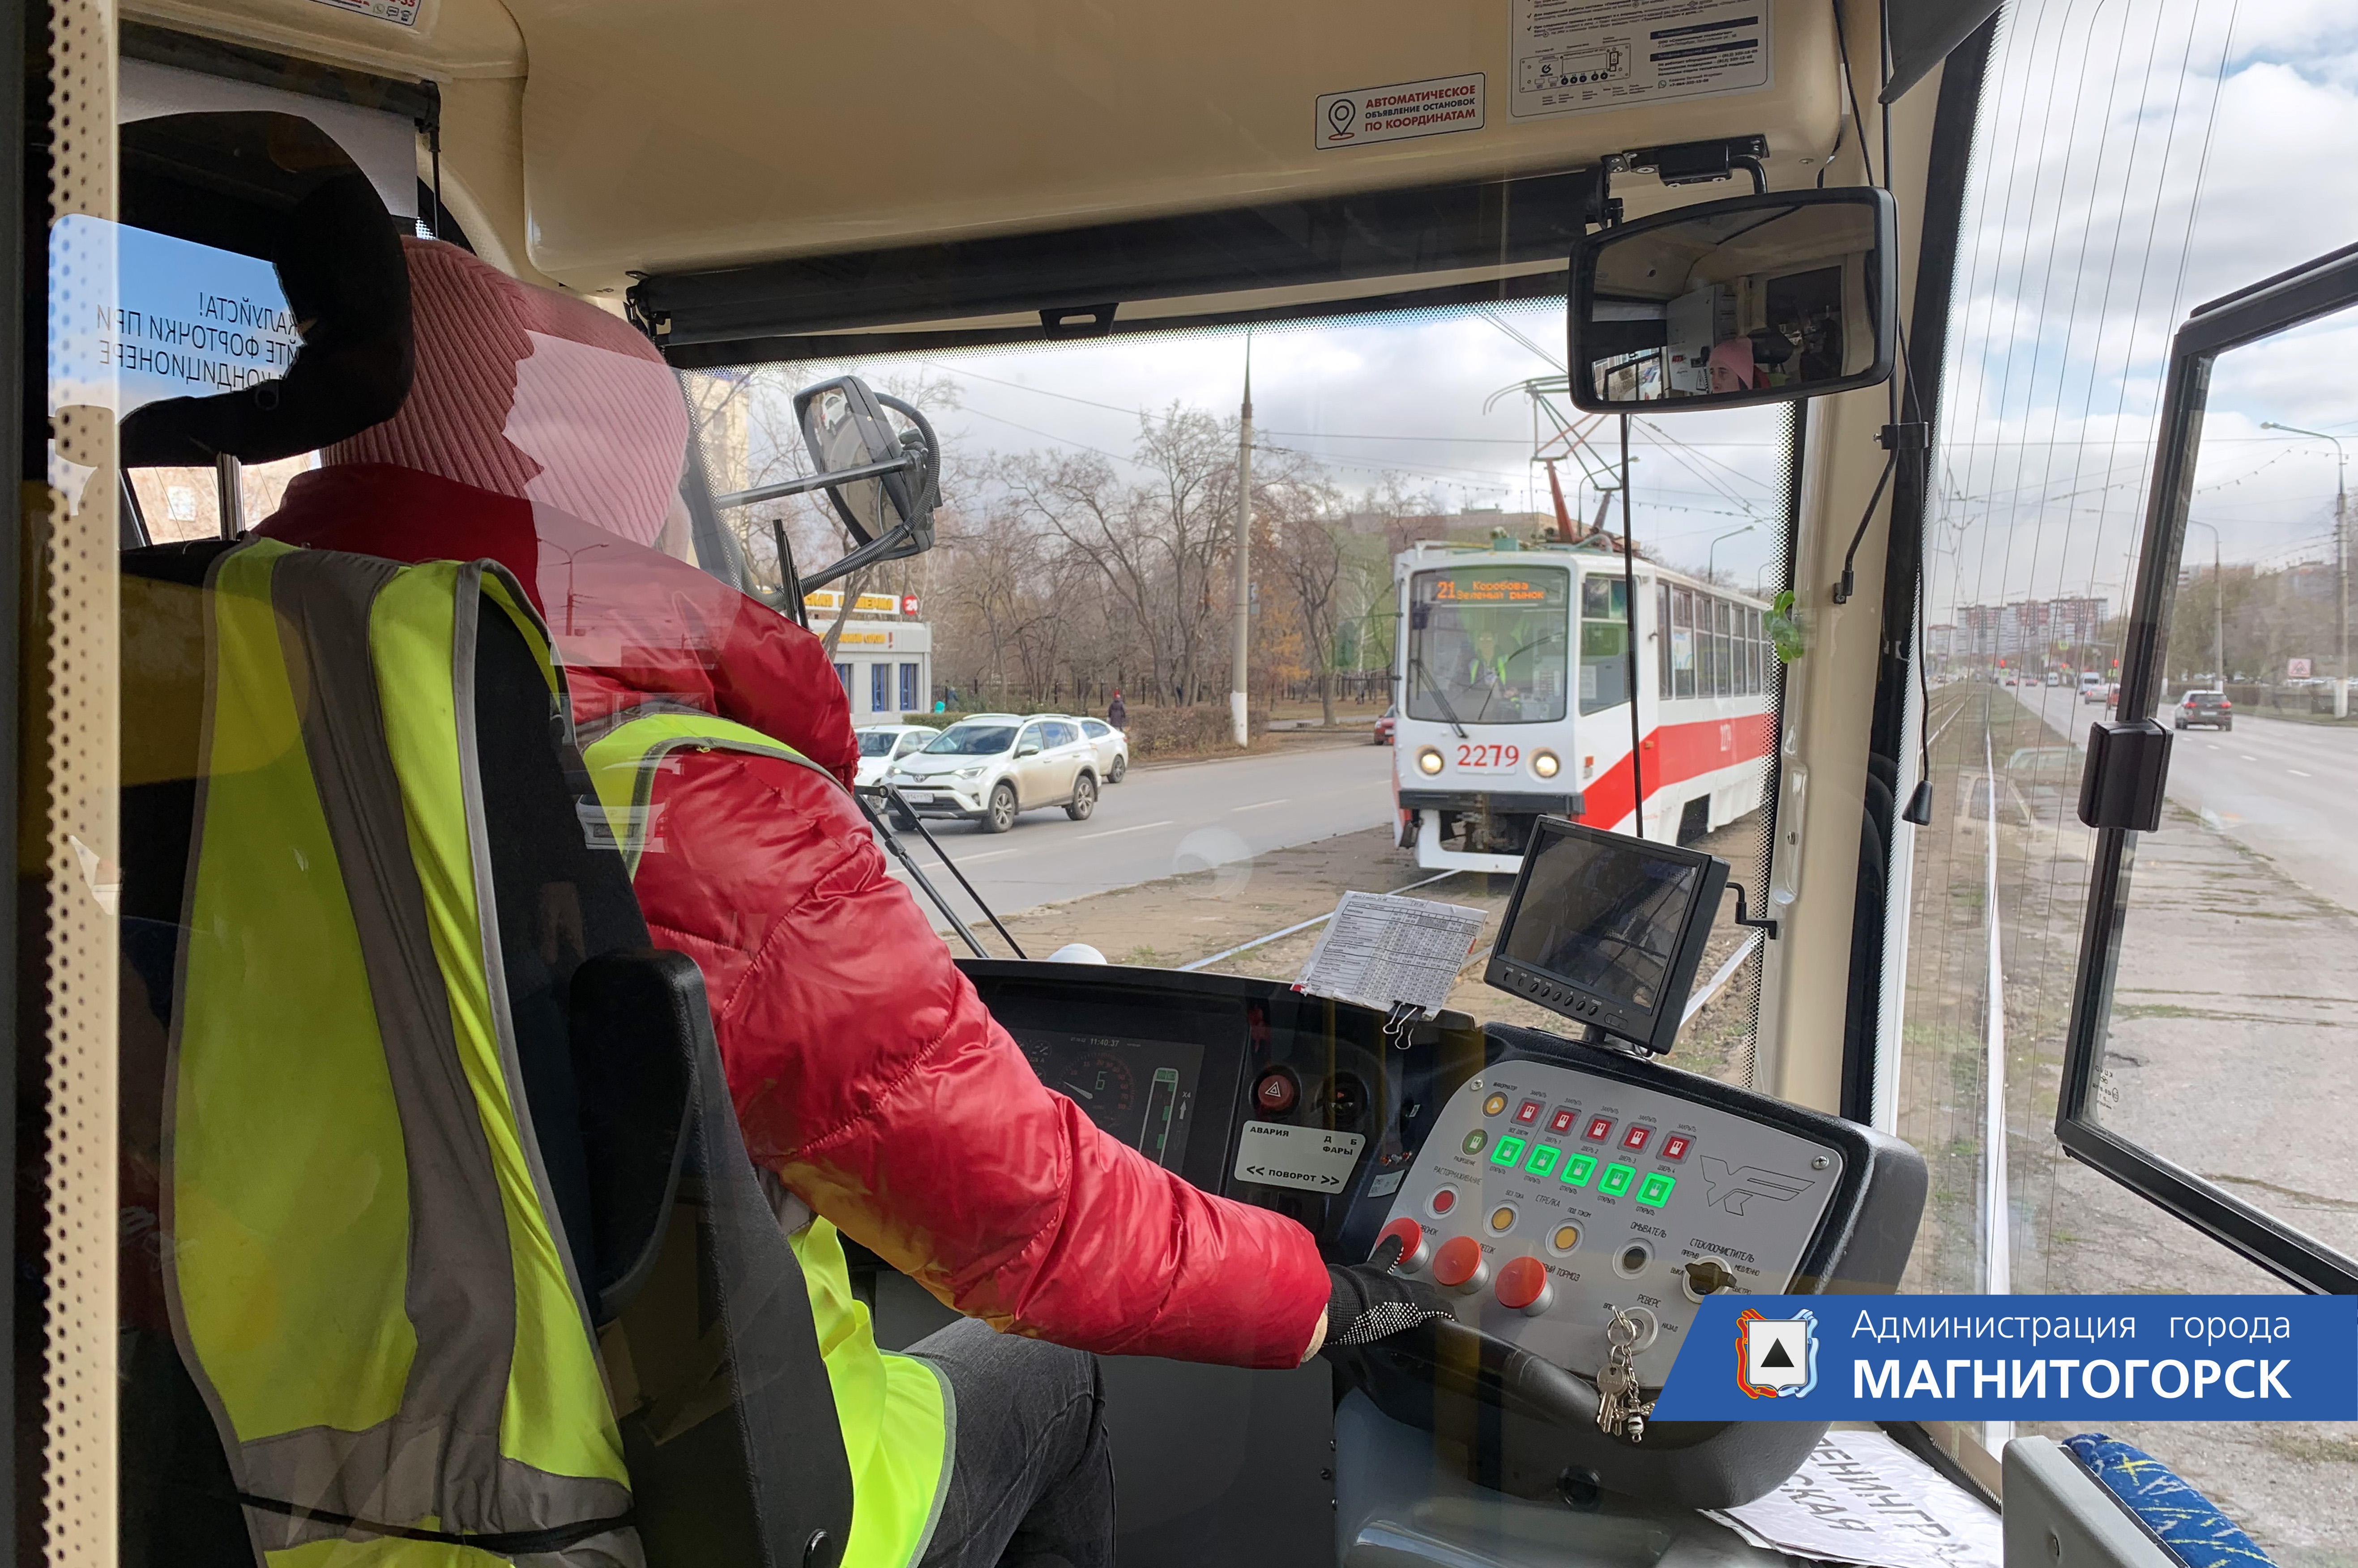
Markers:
point(1609, 922)
point(1142, 1092)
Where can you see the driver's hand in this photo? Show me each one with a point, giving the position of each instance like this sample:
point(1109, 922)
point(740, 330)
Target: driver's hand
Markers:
point(1368, 1302)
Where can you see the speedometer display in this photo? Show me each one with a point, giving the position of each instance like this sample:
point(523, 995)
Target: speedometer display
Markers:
point(1142, 1092)
point(1101, 1086)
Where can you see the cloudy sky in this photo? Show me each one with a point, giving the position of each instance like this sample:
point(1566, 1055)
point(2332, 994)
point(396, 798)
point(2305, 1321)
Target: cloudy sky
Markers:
point(2136, 157)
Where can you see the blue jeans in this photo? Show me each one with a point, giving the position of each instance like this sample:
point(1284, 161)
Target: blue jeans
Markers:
point(1031, 1482)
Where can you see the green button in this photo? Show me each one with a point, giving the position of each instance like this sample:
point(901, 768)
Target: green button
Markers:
point(1509, 1150)
point(1656, 1187)
point(1475, 1140)
point(1577, 1170)
point(1617, 1179)
point(1542, 1159)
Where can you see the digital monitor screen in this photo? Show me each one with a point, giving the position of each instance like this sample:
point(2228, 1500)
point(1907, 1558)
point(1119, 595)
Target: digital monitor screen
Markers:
point(1607, 915)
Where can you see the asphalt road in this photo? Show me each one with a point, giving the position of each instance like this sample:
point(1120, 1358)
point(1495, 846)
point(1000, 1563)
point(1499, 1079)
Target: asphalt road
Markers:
point(1162, 821)
point(2279, 786)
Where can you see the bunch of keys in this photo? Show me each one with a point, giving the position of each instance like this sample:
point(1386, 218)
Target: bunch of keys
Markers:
point(1620, 1413)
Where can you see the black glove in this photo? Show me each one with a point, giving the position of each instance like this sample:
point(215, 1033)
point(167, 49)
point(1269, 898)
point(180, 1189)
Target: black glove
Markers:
point(1368, 1302)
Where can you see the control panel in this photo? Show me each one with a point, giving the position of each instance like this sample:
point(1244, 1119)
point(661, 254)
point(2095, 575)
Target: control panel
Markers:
point(1548, 1198)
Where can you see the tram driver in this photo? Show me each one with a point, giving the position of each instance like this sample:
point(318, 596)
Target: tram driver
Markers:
point(546, 434)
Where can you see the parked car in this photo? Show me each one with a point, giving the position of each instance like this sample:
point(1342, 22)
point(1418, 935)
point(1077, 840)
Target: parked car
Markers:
point(992, 767)
point(2111, 696)
point(1113, 748)
point(2210, 708)
point(882, 744)
point(1387, 724)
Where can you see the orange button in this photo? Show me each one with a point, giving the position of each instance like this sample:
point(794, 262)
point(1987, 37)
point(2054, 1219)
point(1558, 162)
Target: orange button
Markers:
point(1411, 1240)
point(1524, 1286)
point(1458, 1264)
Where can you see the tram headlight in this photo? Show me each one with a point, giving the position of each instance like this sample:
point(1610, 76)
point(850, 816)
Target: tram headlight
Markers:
point(1428, 761)
point(1545, 764)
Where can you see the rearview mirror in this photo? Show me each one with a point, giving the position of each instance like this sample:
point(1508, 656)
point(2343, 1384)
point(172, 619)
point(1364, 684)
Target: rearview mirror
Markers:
point(1755, 299)
point(884, 484)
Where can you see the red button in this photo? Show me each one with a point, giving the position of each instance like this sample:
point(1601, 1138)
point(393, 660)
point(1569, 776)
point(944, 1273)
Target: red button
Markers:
point(1458, 1264)
point(1411, 1240)
point(1444, 1199)
point(1674, 1148)
point(1600, 1128)
point(1635, 1139)
point(1529, 1111)
point(1561, 1121)
point(1524, 1286)
point(1276, 1092)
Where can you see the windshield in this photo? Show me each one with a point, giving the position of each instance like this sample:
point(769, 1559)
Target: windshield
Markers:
point(1487, 644)
point(972, 740)
point(876, 743)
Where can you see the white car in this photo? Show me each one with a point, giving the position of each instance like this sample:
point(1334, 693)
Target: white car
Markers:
point(1112, 748)
point(880, 745)
point(992, 767)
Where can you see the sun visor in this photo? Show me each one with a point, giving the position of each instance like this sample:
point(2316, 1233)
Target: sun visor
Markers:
point(1427, 245)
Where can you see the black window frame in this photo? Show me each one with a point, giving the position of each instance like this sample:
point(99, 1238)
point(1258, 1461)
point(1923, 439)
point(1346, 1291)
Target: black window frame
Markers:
point(2274, 305)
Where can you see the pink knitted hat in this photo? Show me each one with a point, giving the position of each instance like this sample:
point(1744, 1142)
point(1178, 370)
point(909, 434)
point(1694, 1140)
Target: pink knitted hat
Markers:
point(529, 392)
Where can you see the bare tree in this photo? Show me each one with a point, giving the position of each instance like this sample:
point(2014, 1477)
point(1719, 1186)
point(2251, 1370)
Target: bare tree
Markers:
point(1309, 562)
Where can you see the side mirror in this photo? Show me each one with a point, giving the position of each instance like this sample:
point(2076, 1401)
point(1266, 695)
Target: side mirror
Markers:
point(884, 485)
point(1029, 749)
point(1755, 299)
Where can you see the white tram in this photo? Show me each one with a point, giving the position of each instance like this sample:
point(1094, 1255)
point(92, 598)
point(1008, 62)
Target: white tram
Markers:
point(1498, 724)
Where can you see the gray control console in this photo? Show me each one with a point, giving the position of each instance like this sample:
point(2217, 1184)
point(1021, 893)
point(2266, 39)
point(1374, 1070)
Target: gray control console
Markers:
point(1554, 1182)
point(1547, 1198)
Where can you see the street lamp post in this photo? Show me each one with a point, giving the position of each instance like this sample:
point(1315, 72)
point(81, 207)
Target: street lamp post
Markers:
point(2341, 562)
point(2217, 607)
point(1711, 557)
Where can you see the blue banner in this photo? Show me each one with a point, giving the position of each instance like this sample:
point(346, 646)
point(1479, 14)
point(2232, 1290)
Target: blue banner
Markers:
point(2017, 1358)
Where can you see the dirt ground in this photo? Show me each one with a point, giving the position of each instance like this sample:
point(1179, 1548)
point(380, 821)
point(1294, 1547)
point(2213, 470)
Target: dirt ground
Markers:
point(1176, 921)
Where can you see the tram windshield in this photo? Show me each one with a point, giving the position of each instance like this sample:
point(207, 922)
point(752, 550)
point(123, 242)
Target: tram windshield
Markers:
point(1488, 644)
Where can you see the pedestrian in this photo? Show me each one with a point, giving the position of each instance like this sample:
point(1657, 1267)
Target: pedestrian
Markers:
point(1118, 711)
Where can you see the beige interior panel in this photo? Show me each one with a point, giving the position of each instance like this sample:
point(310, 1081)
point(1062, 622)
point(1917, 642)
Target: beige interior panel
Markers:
point(452, 40)
point(707, 131)
point(71, 705)
point(1831, 689)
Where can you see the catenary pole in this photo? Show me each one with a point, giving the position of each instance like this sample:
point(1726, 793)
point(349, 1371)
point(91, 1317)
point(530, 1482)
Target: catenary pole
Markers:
point(1240, 633)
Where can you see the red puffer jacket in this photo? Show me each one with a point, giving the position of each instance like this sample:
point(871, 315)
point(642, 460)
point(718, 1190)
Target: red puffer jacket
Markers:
point(865, 1069)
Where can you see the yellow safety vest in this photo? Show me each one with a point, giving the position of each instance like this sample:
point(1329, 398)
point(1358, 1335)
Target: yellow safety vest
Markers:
point(365, 1278)
point(896, 1412)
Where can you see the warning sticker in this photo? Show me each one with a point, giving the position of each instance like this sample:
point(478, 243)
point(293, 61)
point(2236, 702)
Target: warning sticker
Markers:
point(1575, 55)
point(1311, 1158)
point(1402, 110)
point(402, 13)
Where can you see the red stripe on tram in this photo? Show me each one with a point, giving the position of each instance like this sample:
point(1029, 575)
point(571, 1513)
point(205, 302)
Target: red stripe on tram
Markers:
point(1675, 753)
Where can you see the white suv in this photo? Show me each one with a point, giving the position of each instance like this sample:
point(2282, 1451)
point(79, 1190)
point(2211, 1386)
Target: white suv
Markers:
point(989, 768)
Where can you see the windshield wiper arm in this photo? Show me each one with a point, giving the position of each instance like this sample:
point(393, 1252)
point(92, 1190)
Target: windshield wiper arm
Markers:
point(1416, 667)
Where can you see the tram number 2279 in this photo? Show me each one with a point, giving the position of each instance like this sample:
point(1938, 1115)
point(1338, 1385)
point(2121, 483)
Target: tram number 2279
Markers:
point(1482, 756)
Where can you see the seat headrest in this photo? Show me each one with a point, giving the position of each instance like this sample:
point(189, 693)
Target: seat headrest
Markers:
point(276, 187)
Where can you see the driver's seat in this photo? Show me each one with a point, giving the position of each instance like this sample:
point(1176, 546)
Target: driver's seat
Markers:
point(615, 1099)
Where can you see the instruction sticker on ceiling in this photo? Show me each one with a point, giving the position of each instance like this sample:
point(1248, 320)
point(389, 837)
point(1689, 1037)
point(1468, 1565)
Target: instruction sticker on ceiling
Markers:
point(1575, 55)
point(401, 13)
point(1394, 113)
point(1311, 1158)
